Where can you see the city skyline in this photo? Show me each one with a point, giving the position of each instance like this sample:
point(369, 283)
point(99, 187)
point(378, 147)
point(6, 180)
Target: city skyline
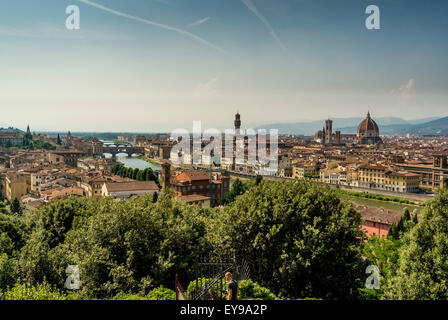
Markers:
point(179, 61)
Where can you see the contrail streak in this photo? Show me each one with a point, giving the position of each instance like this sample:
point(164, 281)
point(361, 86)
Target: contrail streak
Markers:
point(199, 22)
point(156, 24)
point(255, 11)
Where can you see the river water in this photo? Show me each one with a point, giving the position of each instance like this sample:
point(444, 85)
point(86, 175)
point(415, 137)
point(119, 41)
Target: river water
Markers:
point(135, 162)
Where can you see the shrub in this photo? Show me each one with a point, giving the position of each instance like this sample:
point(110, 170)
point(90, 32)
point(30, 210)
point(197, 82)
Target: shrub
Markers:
point(159, 293)
point(8, 271)
point(216, 290)
point(250, 289)
point(42, 291)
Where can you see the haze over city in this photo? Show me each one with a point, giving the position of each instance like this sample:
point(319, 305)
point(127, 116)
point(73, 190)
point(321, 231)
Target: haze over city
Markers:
point(327, 179)
point(273, 61)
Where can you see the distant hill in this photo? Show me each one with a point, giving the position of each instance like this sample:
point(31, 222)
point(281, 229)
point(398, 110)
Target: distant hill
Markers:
point(432, 127)
point(10, 129)
point(435, 127)
point(387, 125)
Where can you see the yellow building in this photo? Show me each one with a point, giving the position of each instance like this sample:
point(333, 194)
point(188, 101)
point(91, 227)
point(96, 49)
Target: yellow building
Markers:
point(300, 171)
point(380, 177)
point(92, 187)
point(16, 185)
point(402, 182)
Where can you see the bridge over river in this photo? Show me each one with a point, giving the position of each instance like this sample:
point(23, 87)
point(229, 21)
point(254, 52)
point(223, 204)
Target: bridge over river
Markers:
point(129, 150)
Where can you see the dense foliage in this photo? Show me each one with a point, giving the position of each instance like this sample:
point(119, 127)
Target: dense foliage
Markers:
point(131, 246)
point(247, 289)
point(42, 291)
point(298, 239)
point(238, 188)
point(379, 197)
point(422, 271)
point(136, 174)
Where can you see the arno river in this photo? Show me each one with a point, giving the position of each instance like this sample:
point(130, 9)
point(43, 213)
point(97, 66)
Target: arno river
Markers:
point(133, 161)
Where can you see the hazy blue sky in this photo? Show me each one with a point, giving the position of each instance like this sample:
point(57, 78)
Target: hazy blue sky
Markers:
point(273, 60)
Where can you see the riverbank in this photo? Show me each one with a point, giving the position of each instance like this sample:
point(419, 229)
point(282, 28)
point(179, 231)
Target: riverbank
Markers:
point(149, 160)
point(390, 202)
point(158, 163)
point(138, 163)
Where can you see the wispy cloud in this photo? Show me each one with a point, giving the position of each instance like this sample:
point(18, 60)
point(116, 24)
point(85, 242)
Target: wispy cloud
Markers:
point(206, 89)
point(199, 22)
point(156, 24)
point(249, 4)
point(405, 90)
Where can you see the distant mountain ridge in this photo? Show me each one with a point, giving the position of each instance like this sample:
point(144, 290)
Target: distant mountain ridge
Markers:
point(387, 125)
point(10, 129)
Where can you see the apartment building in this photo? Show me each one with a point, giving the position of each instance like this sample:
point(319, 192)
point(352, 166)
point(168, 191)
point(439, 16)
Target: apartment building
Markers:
point(382, 178)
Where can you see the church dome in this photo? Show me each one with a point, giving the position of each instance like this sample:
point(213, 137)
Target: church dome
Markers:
point(368, 125)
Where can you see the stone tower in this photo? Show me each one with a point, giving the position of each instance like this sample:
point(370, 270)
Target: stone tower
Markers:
point(337, 138)
point(328, 131)
point(97, 147)
point(165, 176)
point(237, 123)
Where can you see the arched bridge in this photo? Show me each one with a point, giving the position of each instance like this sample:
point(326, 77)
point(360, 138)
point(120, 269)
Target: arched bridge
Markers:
point(128, 150)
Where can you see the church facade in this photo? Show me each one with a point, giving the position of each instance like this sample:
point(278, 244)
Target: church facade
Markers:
point(367, 133)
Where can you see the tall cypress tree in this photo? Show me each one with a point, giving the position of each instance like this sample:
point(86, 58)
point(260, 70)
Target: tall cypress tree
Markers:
point(134, 173)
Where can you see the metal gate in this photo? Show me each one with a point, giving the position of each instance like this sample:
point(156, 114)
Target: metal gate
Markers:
point(210, 283)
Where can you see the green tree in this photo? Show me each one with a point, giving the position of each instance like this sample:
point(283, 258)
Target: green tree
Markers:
point(238, 188)
point(393, 232)
point(159, 293)
point(115, 168)
point(122, 172)
point(384, 254)
point(415, 218)
point(139, 176)
point(129, 173)
point(252, 290)
point(16, 207)
point(8, 272)
point(134, 173)
point(59, 142)
point(422, 271)
point(42, 291)
point(299, 240)
point(131, 246)
point(406, 214)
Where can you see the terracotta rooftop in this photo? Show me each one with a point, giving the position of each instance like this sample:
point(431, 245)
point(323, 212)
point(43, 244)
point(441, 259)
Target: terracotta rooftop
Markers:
point(194, 175)
point(379, 214)
point(193, 198)
point(131, 186)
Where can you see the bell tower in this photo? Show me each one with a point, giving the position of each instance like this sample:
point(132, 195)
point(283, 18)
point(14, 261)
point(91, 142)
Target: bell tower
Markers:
point(328, 131)
point(165, 176)
point(237, 123)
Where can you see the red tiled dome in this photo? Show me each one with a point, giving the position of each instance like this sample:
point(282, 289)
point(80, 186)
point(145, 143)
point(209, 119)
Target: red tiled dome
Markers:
point(368, 124)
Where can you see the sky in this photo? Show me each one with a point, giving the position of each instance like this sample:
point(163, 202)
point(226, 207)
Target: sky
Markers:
point(158, 65)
